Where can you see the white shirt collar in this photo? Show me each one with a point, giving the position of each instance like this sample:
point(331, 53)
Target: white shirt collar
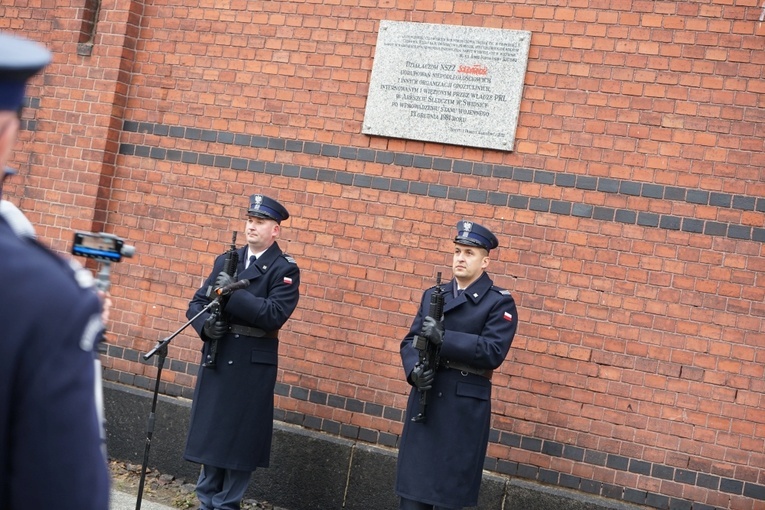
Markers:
point(249, 254)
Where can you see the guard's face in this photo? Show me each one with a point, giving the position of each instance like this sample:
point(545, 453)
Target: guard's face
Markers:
point(468, 263)
point(8, 130)
point(261, 233)
point(9, 127)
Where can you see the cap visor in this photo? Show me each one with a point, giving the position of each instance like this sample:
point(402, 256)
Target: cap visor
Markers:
point(261, 214)
point(468, 242)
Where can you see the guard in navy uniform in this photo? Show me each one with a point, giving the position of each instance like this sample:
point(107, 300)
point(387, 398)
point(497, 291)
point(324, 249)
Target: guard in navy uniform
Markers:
point(440, 459)
point(233, 409)
point(51, 448)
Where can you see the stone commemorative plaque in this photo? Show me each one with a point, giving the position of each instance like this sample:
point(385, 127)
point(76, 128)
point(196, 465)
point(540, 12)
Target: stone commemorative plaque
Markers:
point(448, 84)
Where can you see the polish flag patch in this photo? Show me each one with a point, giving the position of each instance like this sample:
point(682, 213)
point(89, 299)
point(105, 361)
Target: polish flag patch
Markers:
point(287, 280)
point(508, 316)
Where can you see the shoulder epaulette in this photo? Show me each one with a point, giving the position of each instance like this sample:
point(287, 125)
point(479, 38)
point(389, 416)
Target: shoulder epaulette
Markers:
point(504, 292)
point(289, 258)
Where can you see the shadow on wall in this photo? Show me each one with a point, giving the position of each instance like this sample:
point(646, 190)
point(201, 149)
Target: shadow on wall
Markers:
point(309, 470)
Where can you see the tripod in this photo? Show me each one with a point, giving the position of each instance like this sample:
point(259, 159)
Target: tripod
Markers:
point(161, 350)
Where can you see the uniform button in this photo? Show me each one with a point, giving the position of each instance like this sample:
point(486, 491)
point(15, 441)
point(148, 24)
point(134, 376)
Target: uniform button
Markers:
point(236, 336)
point(440, 394)
point(230, 362)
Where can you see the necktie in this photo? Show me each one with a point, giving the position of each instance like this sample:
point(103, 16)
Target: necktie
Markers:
point(252, 259)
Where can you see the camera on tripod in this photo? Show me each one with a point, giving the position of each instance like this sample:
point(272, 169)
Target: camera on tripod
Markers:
point(106, 248)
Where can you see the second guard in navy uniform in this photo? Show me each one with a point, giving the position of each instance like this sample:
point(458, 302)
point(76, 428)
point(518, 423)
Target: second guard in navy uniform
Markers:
point(51, 444)
point(440, 458)
point(232, 413)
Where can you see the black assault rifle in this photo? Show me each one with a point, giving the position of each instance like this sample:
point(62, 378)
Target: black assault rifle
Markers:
point(429, 353)
point(229, 267)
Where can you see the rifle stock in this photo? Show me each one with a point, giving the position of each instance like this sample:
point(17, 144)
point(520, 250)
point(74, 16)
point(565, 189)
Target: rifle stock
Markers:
point(429, 353)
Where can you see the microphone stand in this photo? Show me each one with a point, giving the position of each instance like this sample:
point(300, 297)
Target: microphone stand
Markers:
point(161, 350)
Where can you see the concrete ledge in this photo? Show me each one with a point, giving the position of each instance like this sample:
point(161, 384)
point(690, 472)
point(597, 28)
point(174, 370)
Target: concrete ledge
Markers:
point(309, 470)
point(525, 495)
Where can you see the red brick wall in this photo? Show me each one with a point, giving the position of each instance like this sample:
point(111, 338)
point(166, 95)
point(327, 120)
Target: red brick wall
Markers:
point(631, 216)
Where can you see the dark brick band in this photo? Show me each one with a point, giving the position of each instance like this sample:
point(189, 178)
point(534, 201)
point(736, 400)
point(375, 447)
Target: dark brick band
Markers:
point(560, 207)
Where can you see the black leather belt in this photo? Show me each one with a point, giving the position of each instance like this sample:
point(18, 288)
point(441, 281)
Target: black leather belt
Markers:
point(467, 369)
point(238, 329)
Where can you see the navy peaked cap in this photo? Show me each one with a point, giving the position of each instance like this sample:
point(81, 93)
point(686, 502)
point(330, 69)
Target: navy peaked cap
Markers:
point(472, 234)
point(20, 59)
point(263, 207)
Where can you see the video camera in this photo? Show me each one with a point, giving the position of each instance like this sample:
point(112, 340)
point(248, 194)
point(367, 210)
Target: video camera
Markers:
point(104, 247)
point(101, 246)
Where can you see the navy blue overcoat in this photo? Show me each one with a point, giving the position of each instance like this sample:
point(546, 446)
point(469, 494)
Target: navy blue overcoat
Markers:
point(50, 436)
point(233, 408)
point(440, 460)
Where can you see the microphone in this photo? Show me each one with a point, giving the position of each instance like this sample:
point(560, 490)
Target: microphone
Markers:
point(231, 287)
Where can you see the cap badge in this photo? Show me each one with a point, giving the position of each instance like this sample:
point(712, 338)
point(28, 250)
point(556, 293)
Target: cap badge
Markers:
point(467, 226)
point(258, 200)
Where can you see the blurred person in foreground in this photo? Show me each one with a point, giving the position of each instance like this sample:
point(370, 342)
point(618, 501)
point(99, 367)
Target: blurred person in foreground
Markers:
point(442, 451)
point(52, 450)
point(232, 414)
